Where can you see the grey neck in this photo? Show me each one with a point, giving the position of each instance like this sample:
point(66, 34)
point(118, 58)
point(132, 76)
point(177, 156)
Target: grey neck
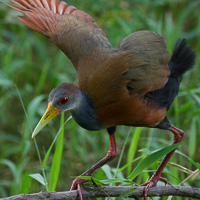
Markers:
point(84, 112)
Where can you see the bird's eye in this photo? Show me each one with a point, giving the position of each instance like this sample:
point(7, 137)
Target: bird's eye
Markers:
point(63, 100)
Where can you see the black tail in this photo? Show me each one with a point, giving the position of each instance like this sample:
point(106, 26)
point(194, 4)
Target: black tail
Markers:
point(182, 60)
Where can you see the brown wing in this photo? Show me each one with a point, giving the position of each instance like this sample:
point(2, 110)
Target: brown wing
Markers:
point(73, 31)
point(117, 104)
point(139, 66)
point(148, 67)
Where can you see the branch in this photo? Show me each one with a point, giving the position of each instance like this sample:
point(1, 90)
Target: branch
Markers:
point(115, 191)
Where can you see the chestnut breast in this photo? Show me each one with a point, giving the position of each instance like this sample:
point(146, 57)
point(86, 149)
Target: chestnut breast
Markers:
point(132, 111)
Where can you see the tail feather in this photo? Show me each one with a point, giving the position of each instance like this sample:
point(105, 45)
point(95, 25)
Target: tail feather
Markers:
point(182, 60)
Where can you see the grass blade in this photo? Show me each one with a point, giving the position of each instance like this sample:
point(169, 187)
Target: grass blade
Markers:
point(50, 148)
point(193, 139)
point(38, 178)
point(133, 147)
point(26, 184)
point(116, 180)
point(151, 159)
point(42, 78)
point(55, 168)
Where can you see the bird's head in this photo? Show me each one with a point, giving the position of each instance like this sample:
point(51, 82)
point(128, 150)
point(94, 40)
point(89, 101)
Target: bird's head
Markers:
point(62, 98)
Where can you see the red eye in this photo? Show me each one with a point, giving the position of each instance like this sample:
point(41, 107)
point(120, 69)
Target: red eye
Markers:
point(63, 100)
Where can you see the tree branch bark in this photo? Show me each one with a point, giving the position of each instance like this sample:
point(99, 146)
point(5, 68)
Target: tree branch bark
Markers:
point(115, 191)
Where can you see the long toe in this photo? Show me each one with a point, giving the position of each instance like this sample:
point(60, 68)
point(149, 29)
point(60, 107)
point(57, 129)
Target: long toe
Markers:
point(77, 182)
point(73, 187)
point(79, 192)
point(76, 185)
point(148, 186)
point(152, 182)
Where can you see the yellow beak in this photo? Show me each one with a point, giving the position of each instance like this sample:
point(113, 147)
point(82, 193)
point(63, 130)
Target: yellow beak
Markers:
point(49, 114)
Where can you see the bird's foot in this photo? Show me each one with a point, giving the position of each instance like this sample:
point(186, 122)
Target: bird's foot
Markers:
point(76, 185)
point(152, 182)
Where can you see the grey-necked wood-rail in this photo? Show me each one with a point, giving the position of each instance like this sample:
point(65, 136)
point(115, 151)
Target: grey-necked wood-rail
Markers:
point(133, 85)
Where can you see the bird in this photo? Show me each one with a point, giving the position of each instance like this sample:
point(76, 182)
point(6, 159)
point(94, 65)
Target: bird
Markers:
point(132, 85)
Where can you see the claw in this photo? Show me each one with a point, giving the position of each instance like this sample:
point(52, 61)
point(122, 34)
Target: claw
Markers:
point(178, 136)
point(76, 185)
point(148, 185)
point(77, 182)
point(152, 183)
point(163, 180)
point(79, 192)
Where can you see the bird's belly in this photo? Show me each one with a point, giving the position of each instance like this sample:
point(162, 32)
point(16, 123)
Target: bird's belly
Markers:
point(131, 112)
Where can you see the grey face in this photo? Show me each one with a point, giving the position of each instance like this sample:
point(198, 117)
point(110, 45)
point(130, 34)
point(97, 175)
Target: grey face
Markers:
point(64, 96)
point(61, 98)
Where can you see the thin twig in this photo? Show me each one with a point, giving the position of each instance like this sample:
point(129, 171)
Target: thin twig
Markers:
point(96, 185)
point(190, 176)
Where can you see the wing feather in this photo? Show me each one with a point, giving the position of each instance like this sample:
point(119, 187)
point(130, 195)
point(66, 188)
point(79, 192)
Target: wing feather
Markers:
point(148, 67)
point(72, 30)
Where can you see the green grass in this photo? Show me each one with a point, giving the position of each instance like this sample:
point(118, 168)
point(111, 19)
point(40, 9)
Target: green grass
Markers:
point(31, 66)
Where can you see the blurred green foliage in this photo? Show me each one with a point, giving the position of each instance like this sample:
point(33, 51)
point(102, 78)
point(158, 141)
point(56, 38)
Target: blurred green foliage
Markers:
point(31, 66)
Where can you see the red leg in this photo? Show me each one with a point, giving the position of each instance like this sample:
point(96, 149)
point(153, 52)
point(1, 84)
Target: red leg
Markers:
point(178, 136)
point(112, 153)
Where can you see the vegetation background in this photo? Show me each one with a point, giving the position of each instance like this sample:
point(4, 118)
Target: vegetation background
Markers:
point(31, 66)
